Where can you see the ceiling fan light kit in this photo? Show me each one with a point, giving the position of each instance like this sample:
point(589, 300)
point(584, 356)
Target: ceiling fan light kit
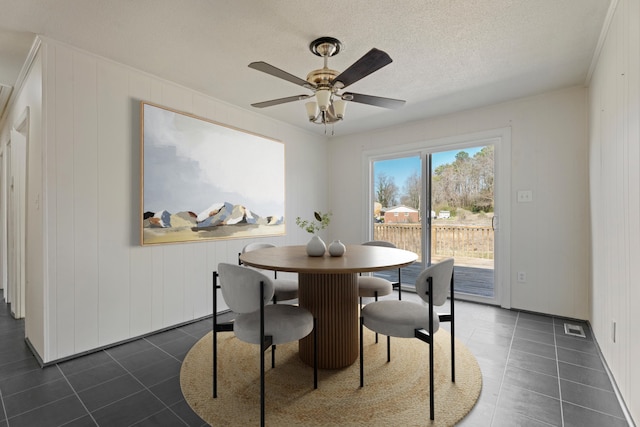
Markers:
point(330, 104)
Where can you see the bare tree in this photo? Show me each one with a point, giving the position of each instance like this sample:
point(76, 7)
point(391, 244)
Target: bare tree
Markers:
point(412, 190)
point(386, 190)
point(467, 182)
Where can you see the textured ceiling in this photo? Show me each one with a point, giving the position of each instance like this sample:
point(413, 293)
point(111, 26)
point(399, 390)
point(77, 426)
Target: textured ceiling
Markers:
point(448, 55)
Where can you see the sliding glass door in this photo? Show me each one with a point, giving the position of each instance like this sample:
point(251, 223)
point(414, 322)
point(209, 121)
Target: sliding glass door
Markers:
point(461, 194)
point(398, 197)
point(440, 204)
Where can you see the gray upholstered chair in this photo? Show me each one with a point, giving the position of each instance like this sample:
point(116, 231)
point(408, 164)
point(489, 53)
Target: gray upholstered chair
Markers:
point(247, 292)
point(374, 287)
point(407, 319)
point(284, 289)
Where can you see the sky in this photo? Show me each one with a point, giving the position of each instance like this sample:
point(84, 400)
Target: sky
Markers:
point(403, 167)
point(190, 164)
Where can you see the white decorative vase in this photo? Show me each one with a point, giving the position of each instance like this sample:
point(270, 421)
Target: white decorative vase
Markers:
point(336, 248)
point(316, 246)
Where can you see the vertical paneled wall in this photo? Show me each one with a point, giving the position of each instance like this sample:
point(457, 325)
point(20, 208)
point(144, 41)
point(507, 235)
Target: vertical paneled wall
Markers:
point(549, 237)
point(615, 199)
point(100, 286)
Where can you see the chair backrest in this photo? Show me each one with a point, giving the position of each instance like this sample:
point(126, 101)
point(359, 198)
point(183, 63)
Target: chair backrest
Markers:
point(241, 287)
point(441, 274)
point(255, 246)
point(379, 243)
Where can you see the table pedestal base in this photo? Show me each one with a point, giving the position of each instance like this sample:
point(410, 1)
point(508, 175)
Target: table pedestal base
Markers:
point(333, 301)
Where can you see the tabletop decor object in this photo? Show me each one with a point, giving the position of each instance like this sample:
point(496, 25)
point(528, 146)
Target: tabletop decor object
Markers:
point(337, 248)
point(316, 246)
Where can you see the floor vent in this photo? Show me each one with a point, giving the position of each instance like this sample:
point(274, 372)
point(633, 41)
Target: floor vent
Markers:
point(574, 330)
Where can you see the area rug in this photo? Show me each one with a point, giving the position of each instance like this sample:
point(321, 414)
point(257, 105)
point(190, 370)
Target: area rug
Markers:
point(395, 393)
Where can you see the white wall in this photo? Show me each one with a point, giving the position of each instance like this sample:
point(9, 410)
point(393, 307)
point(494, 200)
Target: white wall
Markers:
point(98, 286)
point(549, 238)
point(615, 199)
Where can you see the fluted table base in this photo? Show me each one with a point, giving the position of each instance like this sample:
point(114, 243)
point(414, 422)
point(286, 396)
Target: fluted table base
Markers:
point(333, 300)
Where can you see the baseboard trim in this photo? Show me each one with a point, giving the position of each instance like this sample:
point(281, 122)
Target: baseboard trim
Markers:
point(616, 390)
point(106, 347)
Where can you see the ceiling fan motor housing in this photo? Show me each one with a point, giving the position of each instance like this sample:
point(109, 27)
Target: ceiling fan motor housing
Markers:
point(322, 77)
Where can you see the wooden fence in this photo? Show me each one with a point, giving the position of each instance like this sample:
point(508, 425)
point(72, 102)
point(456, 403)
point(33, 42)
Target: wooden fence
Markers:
point(447, 240)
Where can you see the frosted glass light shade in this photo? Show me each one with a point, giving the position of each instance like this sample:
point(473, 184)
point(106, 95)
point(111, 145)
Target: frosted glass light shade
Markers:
point(339, 106)
point(323, 96)
point(312, 109)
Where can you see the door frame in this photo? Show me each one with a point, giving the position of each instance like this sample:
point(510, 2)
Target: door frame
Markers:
point(501, 139)
point(15, 197)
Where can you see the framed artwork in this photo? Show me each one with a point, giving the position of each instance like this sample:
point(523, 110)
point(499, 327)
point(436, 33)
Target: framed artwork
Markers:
point(203, 181)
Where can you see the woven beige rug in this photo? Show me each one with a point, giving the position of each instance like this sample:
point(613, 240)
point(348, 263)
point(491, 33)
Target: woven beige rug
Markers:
point(395, 393)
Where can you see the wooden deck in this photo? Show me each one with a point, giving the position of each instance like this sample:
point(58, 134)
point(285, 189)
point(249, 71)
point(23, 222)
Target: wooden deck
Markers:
point(468, 279)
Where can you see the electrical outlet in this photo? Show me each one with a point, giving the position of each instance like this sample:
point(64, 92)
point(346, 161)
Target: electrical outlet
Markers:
point(522, 277)
point(525, 196)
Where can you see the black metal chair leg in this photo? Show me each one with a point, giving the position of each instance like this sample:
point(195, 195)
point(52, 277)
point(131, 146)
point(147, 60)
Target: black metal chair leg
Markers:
point(453, 323)
point(431, 397)
point(388, 349)
point(262, 389)
point(266, 342)
point(215, 334)
point(376, 298)
point(273, 348)
point(361, 354)
point(453, 359)
point(315, 353)
point(273, 356)
point(262, 348)
point(217, 327)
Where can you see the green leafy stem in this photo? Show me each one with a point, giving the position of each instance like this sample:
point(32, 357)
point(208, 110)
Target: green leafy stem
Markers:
point(320, 223)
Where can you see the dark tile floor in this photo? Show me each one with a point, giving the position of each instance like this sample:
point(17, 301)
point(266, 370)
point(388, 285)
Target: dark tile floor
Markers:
point(533, 375)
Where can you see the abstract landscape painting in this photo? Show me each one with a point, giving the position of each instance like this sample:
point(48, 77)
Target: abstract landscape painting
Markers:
point(203, 181)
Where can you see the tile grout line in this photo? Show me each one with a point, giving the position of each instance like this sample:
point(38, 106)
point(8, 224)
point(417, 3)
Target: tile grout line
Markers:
point(32, 387)
point(4, 409)
point(558, 371)
point(163, 350)
point(533, 354)
point(154, 414)
point(504, 372)
point(589, 385)
point(76, 394)
point(597, 411)
point(105, 383)
point(148, 389)
point(55, 401)
point(539, 373)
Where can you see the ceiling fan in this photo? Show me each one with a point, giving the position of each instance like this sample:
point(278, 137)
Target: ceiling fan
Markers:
point(327, 84)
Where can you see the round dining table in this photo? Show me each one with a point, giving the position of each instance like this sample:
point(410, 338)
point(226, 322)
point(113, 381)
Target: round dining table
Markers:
point(328, 288)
